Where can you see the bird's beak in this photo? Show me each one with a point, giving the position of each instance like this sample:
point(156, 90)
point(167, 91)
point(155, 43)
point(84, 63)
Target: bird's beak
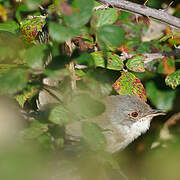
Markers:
point(155, 112)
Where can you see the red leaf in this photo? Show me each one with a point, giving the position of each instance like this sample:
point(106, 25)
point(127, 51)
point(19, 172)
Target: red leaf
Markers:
point(168, 68)
point(128, 83)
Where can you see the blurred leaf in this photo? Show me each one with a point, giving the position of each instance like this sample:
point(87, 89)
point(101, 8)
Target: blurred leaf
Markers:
point(58, 132)
point(85, 59)
point(79, 73)
point(85, 106)
point(7, 53)
point(3, 13)
point(87, 37)
point(173, 34)
point(175, 40)
point(60, 115)
point(21, 8)
point(32, 26)
point(9, 26)
point(27, 94)
point(165, 160)
point(124, 16)
point(97, 83)
point(128, 83)
point(105, 33)
point(113, 60)
point(93, 136)
point(33, 4)
point(57, 74)
point(35, 130)
point(173, 80)
point(165, 37)
point(154, 4)
point(166, 66)
point(7, 66)
point(136, 64)
point(177, 11)
point(81, 12)
point(13, 80)
point(10, 45)
point(59, 142)
point(35, 56)
point(26, 156)
point(136, 46)
point(161, 99)
point(45, 142)
point(103, 17)
point(62, 33)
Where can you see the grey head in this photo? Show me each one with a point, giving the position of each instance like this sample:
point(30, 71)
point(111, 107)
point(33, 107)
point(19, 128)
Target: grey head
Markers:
point(128, 117)
point(127, 109)
point(125, 118)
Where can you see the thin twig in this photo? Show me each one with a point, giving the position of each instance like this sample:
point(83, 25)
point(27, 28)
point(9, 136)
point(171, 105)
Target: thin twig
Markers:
point(73, 77)
point(160, 14)
point(148, 57)
point(172, 120)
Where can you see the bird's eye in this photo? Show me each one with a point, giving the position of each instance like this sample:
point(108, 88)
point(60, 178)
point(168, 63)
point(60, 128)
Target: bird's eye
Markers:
point(134, 114)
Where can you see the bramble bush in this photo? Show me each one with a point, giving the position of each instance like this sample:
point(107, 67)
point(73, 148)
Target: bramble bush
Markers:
point(56, 61)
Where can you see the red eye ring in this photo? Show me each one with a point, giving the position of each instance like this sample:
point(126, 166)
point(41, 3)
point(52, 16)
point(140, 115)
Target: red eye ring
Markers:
point(134, 114)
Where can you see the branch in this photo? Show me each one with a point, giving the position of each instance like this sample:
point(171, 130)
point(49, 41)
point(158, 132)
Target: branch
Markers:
point(148, 57)
point(160, 15)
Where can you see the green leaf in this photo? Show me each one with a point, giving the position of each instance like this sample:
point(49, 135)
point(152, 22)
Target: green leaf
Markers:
point(85, 106)
point(10, 26)
point(125, 17)
point(7, 53)
point(173, 80)
point(81, 13)
point(27, 94)
point(128, 83)
point(59, 142)
point(161, 99)
point(34, 56)
point(32, 26)
point(21, 8)
point(96, 82)
point(136, 46)
point(60, 115)
point(12, 80)
point(10, 45)
point(35, 130)
point(171, 35)
point(46, 142)
point(111, 35)
point(174, 40)
point(57, 75)
point(136, 64)
point(85, 59)
point(113, 60)
point(93, 136)
point(62, 33)
point(104, 17)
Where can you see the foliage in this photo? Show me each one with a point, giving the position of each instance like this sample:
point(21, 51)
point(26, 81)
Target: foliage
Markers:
point(80, 63)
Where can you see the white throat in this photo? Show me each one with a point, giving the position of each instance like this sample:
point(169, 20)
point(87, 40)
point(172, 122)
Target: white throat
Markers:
point(131, 133)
